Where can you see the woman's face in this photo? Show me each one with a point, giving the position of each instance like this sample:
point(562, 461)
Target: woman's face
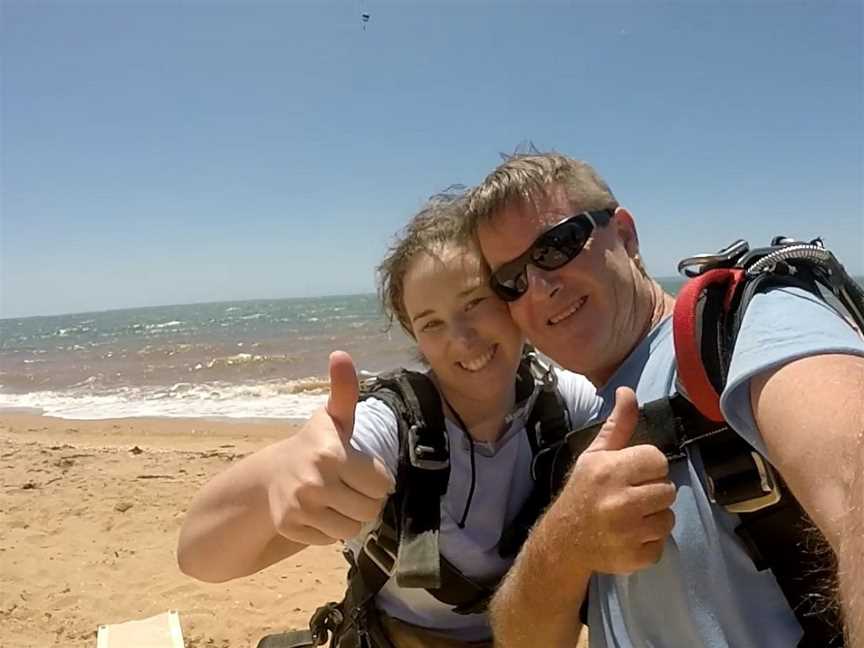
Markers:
point(462, 329)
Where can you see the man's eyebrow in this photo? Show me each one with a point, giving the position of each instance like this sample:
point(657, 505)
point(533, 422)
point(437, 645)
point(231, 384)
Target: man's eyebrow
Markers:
point(424, 313)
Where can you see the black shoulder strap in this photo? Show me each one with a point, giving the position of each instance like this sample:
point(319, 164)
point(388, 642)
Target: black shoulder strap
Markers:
point(405, 544)
point(422, 475)
point(424, 472)
point(547, 424)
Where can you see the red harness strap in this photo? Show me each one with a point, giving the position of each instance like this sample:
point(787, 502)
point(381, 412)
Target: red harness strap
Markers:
point(687, 326)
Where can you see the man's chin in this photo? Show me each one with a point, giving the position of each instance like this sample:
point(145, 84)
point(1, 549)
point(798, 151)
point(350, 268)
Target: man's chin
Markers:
point(571, 351)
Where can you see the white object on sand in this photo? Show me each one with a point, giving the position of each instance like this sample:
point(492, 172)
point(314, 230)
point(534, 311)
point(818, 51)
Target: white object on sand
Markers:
point(160, 631)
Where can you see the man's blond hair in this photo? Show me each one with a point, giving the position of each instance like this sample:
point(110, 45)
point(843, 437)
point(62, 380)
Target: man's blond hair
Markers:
point(525, 180)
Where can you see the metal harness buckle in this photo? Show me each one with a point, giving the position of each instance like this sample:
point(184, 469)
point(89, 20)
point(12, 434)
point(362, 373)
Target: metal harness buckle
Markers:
point(383, 558)
point(426, 457)
point(542, 373)
point(768, 485)
point(697, 264)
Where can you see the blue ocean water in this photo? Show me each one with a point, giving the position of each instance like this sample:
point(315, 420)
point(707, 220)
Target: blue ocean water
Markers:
point(249, 359)
point(233, 359)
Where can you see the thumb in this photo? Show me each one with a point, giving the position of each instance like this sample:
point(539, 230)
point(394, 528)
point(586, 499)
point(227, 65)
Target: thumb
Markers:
point(344, 392)
point(618, 428)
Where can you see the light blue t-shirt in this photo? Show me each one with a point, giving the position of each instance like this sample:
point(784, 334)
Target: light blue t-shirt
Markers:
point(502, 484)
point(705, 590)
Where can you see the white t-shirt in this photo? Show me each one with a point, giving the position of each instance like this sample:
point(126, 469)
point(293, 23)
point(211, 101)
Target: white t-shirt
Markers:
point(502, 484)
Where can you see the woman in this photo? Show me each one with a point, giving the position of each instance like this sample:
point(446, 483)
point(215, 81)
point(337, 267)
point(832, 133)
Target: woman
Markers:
point(314, 488)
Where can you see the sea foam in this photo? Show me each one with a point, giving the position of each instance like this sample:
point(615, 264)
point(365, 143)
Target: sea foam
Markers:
point(295, 399)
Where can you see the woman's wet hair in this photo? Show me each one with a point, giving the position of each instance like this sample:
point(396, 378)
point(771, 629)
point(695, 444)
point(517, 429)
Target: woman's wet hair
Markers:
point(440, 222)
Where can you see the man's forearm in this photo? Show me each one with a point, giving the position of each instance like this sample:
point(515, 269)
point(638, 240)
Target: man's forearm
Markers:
point(538, 602)
point(851, 556)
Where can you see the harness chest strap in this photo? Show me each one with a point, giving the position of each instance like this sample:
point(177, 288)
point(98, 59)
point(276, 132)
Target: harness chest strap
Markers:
point(777, 536)
point(386, 551)
point(406, 543)
point(547, 426)
point(414, 512)
point(773, 527)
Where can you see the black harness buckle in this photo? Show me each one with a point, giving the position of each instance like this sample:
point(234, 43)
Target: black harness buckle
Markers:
point(743, 488)
point(326, 620)
point(425, 455)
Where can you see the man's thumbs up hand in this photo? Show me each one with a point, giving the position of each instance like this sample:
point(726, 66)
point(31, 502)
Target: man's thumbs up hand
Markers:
point(618, 498)
point(619, 427)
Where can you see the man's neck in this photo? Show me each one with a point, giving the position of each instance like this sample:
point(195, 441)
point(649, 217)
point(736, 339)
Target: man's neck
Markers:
point(660, 305)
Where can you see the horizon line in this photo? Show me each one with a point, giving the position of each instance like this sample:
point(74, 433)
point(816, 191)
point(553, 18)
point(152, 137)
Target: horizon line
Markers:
point(858, 278)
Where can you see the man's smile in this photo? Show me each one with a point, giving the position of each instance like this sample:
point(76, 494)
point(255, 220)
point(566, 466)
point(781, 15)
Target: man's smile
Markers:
point(568, 312)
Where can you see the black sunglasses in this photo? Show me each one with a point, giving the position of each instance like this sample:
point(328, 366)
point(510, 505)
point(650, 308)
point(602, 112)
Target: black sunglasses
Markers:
point(551, 250)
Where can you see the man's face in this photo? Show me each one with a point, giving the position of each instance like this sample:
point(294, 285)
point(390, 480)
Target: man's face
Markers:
point(588, 314)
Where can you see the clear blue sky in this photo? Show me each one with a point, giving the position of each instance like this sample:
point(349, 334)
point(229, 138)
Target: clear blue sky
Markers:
point(167, 152)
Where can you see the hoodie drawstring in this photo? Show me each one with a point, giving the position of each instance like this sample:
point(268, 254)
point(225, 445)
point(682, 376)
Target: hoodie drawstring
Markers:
point(464, 429)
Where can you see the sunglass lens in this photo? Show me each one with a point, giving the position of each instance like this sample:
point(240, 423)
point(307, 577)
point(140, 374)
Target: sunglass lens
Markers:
point(550, 258)
point(510, 288)
point(552, 250)
point(560, 245)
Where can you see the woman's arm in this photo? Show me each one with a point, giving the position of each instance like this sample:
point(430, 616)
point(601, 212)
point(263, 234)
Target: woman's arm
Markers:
point(311, 488)
point(228, 531)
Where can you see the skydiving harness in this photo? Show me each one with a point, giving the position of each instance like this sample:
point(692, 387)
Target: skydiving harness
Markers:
point(709, 309)
point(405, 544)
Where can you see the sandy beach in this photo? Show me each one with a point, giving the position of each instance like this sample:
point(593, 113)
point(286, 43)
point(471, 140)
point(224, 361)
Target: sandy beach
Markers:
point(91, 511)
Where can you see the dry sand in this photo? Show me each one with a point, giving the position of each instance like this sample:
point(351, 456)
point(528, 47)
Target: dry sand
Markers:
point(90, 525)
point(91, 511)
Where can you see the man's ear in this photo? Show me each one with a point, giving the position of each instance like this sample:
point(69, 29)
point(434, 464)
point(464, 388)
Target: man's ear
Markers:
point(625, 228)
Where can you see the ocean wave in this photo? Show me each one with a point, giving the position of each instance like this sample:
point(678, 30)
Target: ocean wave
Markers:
point(72, 330)
point(171, 324)
point(90, 381)
point(295, 399)
point(240, 359)
point(74, 347)
point(169, 350)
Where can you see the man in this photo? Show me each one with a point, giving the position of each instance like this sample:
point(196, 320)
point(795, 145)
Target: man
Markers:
point(660, 563)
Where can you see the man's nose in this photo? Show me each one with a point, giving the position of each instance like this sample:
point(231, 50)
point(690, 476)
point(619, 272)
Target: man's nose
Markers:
point(542, 284)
